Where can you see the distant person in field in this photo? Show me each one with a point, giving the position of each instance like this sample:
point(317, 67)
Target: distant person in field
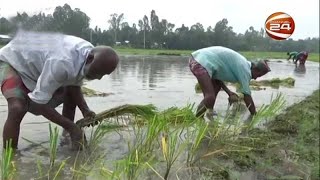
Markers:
point(215, 65)
point(292, 55)
point(39, 71)
point(301, 57)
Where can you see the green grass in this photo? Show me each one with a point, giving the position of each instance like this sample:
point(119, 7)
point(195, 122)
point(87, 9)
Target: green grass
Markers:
point(131, 51)
point(7, 165)
point(288, 146)
point(250, 55)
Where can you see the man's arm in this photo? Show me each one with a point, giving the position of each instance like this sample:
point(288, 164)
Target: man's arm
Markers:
point(245, 89)
point(52, 115)
point(250, 104)
point(233, 97)
point(77, 96)
point(225, 88)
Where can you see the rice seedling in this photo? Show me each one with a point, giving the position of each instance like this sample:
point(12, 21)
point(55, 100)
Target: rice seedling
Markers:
point(111, 174)
point(85, 161)
point(224, 133)
point(160, 132)
point(179, 116)
point(8, 168)
point(132, 164)
point(97, 134)
point(73, 169)
point(62, 165)
point(143, 111)
point(154, 128)
point(88, 164)
point(40, 170)
point(171, 149)
point(156, 172)
point(54, 133)
point(195, 138)
point(268, 111)
point(141, 151)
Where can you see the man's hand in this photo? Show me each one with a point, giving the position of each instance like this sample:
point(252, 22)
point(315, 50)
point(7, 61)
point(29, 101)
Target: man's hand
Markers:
point(233, 97)
point(77, 136)
point(209, 115)
point(88, 114)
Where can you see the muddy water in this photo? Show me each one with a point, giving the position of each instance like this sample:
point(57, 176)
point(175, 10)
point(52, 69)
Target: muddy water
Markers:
point(163, 81)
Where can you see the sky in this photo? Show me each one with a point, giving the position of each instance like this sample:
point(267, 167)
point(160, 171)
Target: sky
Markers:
point(241, 14)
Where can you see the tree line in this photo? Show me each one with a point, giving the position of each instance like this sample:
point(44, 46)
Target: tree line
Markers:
point(152, 32)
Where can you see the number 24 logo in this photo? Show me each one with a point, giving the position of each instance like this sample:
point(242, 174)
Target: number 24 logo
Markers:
point(277, 26)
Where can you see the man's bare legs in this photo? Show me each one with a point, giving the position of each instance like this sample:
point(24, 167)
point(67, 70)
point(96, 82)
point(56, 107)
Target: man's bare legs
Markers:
point(17, 108)
point(216, 87)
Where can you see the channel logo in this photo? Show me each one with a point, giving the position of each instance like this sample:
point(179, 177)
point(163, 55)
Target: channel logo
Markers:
point(279, 26)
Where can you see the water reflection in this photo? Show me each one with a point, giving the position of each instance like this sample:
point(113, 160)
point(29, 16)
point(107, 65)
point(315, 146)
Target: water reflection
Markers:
point(167, 81)
point(300, 70)
point(148, 71)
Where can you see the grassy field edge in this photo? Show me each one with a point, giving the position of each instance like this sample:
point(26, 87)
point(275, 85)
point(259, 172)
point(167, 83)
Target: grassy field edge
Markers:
point(248, 54)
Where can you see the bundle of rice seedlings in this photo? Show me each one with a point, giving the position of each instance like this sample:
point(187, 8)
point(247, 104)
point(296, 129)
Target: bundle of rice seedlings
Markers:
point(141, 111)
point(91, 93)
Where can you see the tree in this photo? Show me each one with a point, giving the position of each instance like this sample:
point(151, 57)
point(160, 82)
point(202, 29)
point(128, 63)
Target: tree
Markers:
point(128, 33)
point(20, 20)
point(165, 32)
point(5, 26)
point(115, 22)
point(156, 35)
point(223, 33)
point(146, 33)
point(197, 37)
point(251, 37)
point(70, 21)
point(145, 28)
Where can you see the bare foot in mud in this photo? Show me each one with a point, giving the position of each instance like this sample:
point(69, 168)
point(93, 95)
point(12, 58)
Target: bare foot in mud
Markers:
point(78, 139)
point(65, 139)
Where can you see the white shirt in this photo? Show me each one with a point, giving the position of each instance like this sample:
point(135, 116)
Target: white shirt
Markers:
point(46, 61)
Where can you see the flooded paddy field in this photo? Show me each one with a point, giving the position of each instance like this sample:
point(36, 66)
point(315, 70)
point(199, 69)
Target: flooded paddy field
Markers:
point(162, 148)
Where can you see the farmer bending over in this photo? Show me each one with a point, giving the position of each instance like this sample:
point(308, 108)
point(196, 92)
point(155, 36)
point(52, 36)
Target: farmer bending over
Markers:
point(39, 71)
point(292, 55)
point(301, 57)
point(216, 64)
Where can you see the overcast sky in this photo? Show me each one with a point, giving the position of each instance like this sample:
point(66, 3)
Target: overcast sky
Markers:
point(240, 13)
